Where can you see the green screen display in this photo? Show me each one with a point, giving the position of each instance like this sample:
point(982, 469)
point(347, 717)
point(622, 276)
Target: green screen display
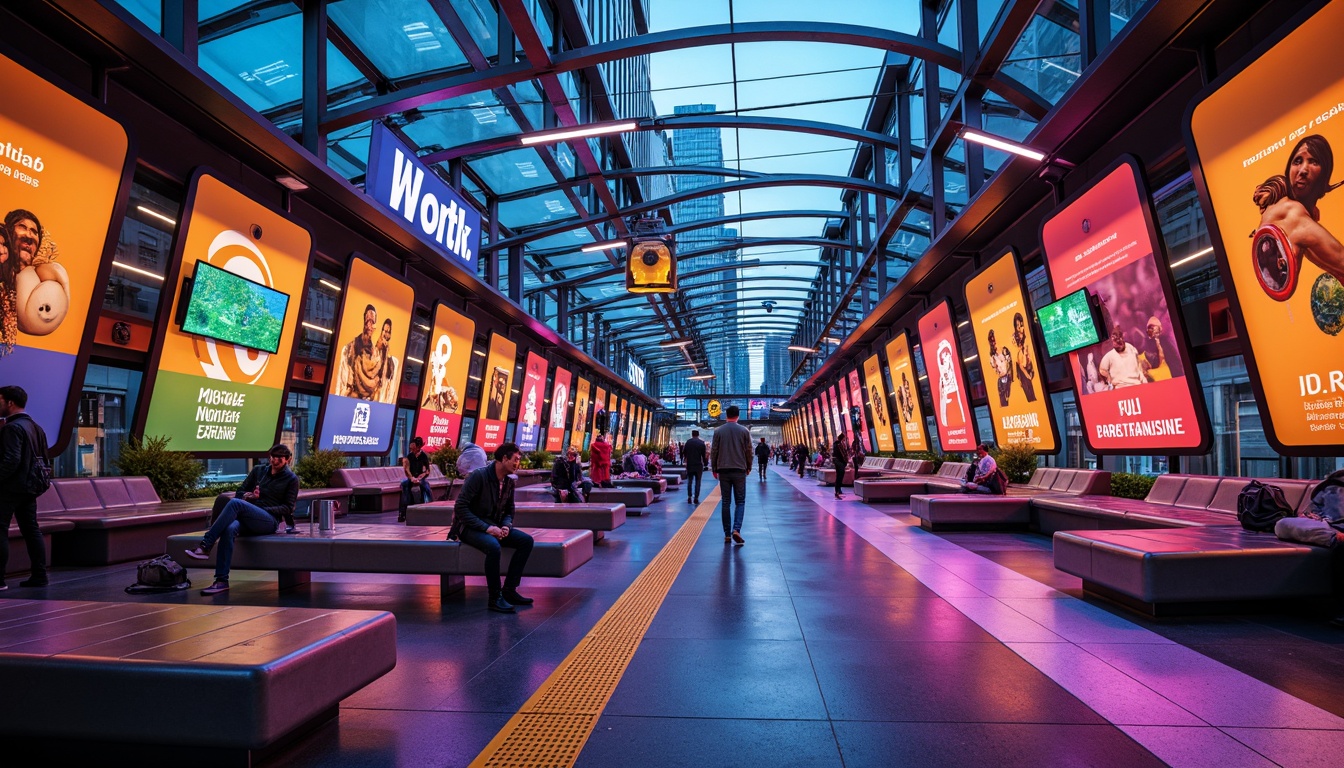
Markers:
point(1068, 324)
point(233, 309)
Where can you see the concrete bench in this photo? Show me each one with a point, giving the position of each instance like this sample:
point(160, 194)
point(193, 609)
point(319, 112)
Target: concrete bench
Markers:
point(656, 484)
point(378, 489)
point(598, 518)
point(872, 466)
point(388, 549)
point(947, 479)
point(114, 683)
point(112, 519)
point(1014, 510)
point(307, 496)
point(634, 499)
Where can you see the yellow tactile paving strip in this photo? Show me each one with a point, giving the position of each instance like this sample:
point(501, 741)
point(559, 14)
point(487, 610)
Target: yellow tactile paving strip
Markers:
point(552, 727)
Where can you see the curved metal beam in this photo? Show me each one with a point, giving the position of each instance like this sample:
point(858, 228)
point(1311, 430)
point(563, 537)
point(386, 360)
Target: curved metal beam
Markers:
point(445, 88)
point(700, 170)
point(704, 307)
point(728, 187)
point(593, 278)
point(686, 290)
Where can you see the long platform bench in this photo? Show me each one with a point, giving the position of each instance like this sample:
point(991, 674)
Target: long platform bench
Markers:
point(378, 489)
point(876, 466)
point(598, 518)
point(120, 683)
point(656, 484)
point(1016, 509)
point(388, 549)
point(947, 479)
point(308, 495)
point(1181, 548)
point(634, 499)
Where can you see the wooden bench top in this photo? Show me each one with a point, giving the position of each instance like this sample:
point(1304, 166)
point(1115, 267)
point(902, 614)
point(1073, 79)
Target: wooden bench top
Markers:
point(592, 517)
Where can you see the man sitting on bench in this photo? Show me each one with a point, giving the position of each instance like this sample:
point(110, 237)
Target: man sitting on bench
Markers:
point(567, 481)
point(267, 496)
point(483, 518)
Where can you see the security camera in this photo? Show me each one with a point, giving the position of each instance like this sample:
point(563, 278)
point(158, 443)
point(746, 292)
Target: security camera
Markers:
point(769, 306)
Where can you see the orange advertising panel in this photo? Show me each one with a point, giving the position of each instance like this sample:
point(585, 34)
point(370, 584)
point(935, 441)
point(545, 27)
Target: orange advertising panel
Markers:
point(1262, 138)
point(601, 420)
point(1138, 391)
point(827, 418)
point(555, 431)
point(578, 433)
point(443, 387)
point(64, 173)
point(1009, 358)
point(497, 380)
point(845, 414)
point(359, 411)
point(947, 381)
point(859, 416)
point(208, 395)
point(877, 399)
point(905, 382)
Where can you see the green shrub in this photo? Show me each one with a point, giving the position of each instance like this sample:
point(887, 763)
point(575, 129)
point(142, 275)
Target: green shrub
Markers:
point(538, 460)
point(211, 490)
point(583, 455)
point(174, 474)
point(1017, 460)
point(445, 458)
point(1130, 486)
point(316, 468)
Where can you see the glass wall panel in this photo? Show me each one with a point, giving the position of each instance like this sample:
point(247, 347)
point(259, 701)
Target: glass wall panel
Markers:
point(1045, 59)
point(1239, 445)
point(263, 63)
point(144, 247)
point(105, 412)
point(986, 13)
point(400, 37)
point(460, 120)
point(149, 12)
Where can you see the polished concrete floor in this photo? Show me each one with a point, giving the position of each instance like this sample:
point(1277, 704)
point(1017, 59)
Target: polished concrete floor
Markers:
point(839, 635)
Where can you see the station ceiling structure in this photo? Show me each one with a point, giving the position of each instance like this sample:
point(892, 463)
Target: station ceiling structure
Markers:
point(841, 126)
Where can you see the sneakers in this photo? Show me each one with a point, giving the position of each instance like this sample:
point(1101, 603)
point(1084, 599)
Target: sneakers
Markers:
point(727, 537)
point(512, 596)
point(292, 529)
point(500, 605)
point(3, 586)
point(36, 581)
point(216, 588)
point(199, 553)
point(737, 539)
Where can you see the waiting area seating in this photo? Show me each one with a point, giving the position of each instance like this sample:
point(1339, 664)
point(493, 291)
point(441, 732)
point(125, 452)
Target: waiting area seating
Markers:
point(634, 499)
point(378, 489)
point(598, 518)
point(389, 549)
point(872, 466)
point(1012, 510)
point(103, 520)
point(947, 479)
point(656, 484)
point(93, 683)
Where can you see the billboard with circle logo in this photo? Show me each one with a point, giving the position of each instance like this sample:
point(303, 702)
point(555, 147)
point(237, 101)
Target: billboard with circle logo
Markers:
point(212, 397)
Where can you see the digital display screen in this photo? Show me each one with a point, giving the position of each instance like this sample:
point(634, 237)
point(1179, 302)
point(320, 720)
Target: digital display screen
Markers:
point(1068, 324)
point(229, 308)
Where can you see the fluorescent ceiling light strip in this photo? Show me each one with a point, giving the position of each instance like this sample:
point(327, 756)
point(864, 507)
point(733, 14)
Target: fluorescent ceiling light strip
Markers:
point(609, 245)
point(700, 377)
point(578, 133)
point(155, 214)
point(317, 328)
point(797, 348)
point(1192, 257)
point(415, 360)
point(137, 270)
point(329, 284)
point(676, 342)
point(1002, 144)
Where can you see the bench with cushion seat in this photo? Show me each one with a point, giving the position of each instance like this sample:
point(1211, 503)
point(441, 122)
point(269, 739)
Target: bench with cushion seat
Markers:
point(634, 499)
point(907, 467)
point(308, 495)
point(18, 551)
point(378, 489)
point(1013, 510)
point(528, 477)
point(872, 466)
point(947, 479)
point(389, 549)
point(597, 518)
point(656, 484)
point(195, 684)
point(113, 519)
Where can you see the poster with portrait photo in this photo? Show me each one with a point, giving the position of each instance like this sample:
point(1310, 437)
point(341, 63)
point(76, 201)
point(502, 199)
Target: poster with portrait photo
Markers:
point(1262, 139)
point(560, 399)
point(905, 384)
point(858, 417)
point(877, 400)
point(443, 385)
point(941, 350)
point(495, 387)
point(578, 433)
point(1137, 390)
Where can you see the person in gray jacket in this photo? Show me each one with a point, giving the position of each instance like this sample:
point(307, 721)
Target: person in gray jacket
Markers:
point(730, 456)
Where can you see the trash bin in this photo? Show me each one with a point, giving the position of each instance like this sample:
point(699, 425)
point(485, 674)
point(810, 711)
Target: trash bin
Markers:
point(325, 512)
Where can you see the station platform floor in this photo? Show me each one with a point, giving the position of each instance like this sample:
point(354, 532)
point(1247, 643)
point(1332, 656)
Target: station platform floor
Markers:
point(840, 634)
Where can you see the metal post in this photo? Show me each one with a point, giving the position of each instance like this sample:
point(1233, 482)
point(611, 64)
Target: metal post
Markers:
point(975, 153)
point(562, 312)
point(492, 263)
point(516, 274)
point(314, 78)
point(180, 26)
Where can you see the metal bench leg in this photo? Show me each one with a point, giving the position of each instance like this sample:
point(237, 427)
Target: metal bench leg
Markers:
point(289, 579)
point(599, 535)
point(450, 584)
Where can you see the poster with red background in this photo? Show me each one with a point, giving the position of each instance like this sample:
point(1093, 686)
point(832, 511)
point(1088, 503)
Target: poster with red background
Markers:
point(947, 381)
point(555, 433)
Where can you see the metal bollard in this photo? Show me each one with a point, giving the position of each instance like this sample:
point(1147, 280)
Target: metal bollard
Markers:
point(325, 511)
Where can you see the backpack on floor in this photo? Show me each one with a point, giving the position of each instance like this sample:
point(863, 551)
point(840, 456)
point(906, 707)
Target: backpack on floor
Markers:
point(162, 574)
point(1260, 506)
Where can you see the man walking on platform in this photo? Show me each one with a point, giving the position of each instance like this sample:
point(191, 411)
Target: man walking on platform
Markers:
point(693, 453)
point(22, 444)
point(730, 456)
point(840, 460)
point(762, 457)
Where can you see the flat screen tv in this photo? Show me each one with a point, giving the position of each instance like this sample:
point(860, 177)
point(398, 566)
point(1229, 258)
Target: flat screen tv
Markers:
point(223, 306)
point(1069, 324)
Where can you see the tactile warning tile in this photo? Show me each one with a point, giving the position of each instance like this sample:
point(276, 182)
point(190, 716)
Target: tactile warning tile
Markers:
point(552, 727)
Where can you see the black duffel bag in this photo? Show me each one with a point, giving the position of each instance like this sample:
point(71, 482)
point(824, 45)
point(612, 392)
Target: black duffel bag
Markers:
point(162, 574)
point(1260, 506)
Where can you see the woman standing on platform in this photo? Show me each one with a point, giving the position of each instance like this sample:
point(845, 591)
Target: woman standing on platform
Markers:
point(599, 466)
point(840, 459)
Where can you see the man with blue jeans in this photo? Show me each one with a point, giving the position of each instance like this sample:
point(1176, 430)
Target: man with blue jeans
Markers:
point(256, 511)
point(986, 479)
point(416, 466)
point(730, 456)
point(483, 518)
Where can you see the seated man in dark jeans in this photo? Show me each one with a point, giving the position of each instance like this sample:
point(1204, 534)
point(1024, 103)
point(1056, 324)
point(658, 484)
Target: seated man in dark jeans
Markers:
point(567, 481)
point(266, 497)
point(483, 518)
point(416, 466)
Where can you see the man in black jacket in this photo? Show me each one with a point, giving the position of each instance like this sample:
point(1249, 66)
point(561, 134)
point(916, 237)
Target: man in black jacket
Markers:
point(762, 457)
point(20, 439)
point(265, 498)
point(693, 453)
point(483, 518)
point(567, 478)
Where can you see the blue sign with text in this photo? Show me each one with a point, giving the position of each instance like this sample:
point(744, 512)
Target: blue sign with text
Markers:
point(433, 210)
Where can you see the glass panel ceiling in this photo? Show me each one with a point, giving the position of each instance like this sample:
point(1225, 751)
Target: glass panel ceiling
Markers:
point(400, 37)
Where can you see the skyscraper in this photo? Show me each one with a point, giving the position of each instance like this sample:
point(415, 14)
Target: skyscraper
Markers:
point(776, 364)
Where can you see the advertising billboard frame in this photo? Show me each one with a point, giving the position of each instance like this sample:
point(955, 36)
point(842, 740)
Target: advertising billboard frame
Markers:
point(426, 380)
point(917, 395)
point(487, 383)
point(960, 361)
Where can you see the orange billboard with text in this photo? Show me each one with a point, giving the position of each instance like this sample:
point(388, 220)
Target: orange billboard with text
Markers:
point(877, 399)
point(443, 386)
point(578, 433)
point(905, 382)
point(1010, 361)
point(1262, 138)
point(496, 386)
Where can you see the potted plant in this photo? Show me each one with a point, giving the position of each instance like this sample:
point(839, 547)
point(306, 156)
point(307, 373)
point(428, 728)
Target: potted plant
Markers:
point(445, 458)
point(316, 468)
point(1017, 460)
point(174, 474)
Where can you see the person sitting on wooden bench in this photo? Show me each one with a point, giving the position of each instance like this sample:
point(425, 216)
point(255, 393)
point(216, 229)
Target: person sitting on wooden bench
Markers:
point(265, 499)
point(483, 519)
point(567, 482)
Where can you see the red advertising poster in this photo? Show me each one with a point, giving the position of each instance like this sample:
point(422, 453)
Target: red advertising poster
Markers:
point(443, 387)
point(1137, 390)
point(947, 381)
point(533, 396)
point(494, 407)
point(837, 429)
point(827, 417)
point(555, 432)
point(846, 416)
point(856, 402)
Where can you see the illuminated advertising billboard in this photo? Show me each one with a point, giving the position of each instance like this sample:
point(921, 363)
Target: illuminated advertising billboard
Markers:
point(496, 382)
point(860, 417)
point(1262, 141)
point(843, 414)
point(905, 382)
point(1008, 357)
point(359, 411)
point(209, 396)
point(443, 387)
point(400, 183)
point(532, 394)
point(624, 423)
point(827, 420)
point(947, 381)
point(555, 430)
point(1138, 393)
point(877, 399)
point(578, 434)
point(65, 169)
